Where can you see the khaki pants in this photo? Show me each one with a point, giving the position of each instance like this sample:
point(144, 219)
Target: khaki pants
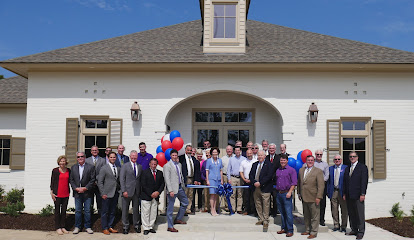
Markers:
point(148, 213)
point(337, 201)
point(262, 203)
point(223, 200)
point(311, 213)
point(206, 196)
point(190, 193)
point(237, 206)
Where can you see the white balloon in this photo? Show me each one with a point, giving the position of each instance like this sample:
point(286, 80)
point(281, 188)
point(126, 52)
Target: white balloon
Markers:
point(182, 151)
point(166, 137)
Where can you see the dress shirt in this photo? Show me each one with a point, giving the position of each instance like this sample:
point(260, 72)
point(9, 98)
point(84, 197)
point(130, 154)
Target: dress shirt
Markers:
point(136, 167)
point(233, 167)
point(324, 167)
point(113, 167)
point(144, 160)
point(94, 159)
point(81, 168)
point(351, 170)
point(189, 162)
point(178, 172)
point(306, 172)
point(337, 174)
point(254, 156)
point(285, 178)
point(272, 157)
point(225, 161)
point(246, 166)
point(259, 166)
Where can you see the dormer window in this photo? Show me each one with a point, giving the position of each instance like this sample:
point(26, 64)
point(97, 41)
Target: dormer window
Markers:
point(224, 21)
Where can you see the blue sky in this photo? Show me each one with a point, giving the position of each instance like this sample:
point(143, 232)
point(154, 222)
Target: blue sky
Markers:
point(33, 26)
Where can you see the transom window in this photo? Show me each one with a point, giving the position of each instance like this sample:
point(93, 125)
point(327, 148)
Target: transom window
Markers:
point(224, 21)
point(229, 117)
point(4, 151)
point(96, 123)
point(95, 131)
point(353, 125)
point(355, 137)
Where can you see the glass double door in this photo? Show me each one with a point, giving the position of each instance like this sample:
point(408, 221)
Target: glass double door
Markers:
point(221, 136)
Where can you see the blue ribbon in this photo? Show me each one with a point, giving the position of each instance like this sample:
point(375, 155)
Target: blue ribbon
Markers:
point(226, 190)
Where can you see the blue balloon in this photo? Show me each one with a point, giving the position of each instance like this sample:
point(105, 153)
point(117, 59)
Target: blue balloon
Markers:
point(167, 154)
point(299, 165)
point(174, 134)
point(159, 149)
point(292, 162)
point(299, 157)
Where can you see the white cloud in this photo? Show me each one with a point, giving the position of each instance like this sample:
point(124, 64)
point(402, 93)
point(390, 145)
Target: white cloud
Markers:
point(109, 5)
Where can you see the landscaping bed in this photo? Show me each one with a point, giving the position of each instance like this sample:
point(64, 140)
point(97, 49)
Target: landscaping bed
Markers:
point(404, 228)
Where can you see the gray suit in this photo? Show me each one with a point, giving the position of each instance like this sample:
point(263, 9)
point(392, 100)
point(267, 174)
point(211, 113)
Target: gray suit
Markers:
point(88, 179)
point(100, 162)
point(132, 185)
point(171, 177)
point(107, 182)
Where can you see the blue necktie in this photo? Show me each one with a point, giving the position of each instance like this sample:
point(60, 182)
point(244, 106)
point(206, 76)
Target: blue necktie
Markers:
point(178, 173)
point(135, 170)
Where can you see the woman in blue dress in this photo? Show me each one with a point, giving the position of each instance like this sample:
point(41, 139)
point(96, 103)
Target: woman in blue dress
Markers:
point(214, 177)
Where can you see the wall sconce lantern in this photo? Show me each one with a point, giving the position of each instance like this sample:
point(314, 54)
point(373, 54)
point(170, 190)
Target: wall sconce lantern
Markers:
point(135, 111)
point(313, 113)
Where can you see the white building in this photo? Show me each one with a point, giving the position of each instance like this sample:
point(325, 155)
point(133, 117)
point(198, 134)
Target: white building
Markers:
point(213, 79)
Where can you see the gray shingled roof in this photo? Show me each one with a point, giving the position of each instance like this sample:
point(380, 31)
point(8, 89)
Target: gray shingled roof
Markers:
point(13, 90)
point(180, 43)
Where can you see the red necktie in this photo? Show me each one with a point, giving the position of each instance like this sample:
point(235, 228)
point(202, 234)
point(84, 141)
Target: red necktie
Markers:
point(271, 160)
point(153, 173)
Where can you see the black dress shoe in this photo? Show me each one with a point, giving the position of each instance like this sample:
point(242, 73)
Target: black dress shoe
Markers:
point(192, 213)
point(343, 230)
point(125, 231)
point(138, 229)
point(351, 233)
point(335, 229)
point(146, 232)
point(322, 224)
point(152, 231)
point(359, 236)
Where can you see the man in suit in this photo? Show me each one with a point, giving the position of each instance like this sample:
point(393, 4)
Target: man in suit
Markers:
point(310, 191)
point(152, 185)
point(191, 173)
point(335, 190)
point(275, 160)
point(265, 146)
point(108, 184)
point(322, 165)
point(130, 180)
point(174, 181)
point(108, 150)
point(120, 157)
point(260, 177)
point(98, 162)
point(82, 179)
point(355, 186)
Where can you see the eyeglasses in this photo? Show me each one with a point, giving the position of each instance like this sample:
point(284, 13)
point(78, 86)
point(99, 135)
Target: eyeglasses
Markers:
point(353, 156)
point(255, 148)
point(337, 159)
point(80, 156)
point(319, 154)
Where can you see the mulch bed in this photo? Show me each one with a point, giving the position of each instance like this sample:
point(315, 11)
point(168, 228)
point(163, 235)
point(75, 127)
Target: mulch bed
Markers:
point(404, 228)
point(36, 222)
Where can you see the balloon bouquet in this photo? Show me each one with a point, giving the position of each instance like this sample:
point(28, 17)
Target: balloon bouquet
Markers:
point(300, 159)
point(169, 142)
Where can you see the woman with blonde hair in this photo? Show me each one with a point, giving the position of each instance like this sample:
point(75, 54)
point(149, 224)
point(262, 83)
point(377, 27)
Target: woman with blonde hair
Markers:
point(59, 191)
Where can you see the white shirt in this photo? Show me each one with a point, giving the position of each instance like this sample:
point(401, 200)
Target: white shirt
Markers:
point(81, 168)
point(337, 174)
point(260, 165)
point(255, 157)
point(136, 167)
point(352, 167)
point(225, 162)
point(189, 162)
point(114, 171)
point(246, 166)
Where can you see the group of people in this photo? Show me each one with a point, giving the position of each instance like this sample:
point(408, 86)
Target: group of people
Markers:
point(269, 179)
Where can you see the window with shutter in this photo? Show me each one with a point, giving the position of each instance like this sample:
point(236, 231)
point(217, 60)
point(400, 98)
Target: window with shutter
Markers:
point(379, 144)
point(115, 133)
point(333, 139)
point(72, 136)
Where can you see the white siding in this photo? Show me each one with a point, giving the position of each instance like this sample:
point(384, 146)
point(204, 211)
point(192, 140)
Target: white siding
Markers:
point(53, 97)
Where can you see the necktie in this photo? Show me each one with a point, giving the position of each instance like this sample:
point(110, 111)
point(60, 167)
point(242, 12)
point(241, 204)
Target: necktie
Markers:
point(258, 172)
point(191, 167)
point(178, 173)
point(336, 180)
point(94, 161)
point(153, 173)
point(352, 169)
point(121, 159)
point(135, 170)
point(271, 159)
point(114, 170)
point(306, 173)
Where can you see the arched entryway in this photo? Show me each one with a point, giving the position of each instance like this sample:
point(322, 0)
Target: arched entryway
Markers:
point(225, 116)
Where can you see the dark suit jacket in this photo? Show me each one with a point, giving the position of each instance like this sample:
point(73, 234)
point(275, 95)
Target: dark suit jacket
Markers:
point(276, 161)
point(356, 185)
point(330, 187)
point(186, 169)
point(118, 163)
point(265, 178)
point(88, 179)
point(149, 185)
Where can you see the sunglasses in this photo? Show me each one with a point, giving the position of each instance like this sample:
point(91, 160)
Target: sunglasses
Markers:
point(319, 154)
point(255, 148)
point(353, 156)
point(79, 156)
point(337, 159)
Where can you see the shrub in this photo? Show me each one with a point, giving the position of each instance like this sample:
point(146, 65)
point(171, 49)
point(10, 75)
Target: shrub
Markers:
point(412, 215)
point(47, 211)
point(1, 192)
point(397, 212)
point(72, 209)
point(15, 195)
point(13, 209)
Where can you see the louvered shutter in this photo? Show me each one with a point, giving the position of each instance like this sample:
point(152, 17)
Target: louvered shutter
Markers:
point(115, 133)
point(333, 139)
point(18, 148)
point(72, 136)
point(379, 143)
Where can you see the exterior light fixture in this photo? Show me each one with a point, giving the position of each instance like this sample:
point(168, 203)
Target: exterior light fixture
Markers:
point(135, 111)
point(313, 113)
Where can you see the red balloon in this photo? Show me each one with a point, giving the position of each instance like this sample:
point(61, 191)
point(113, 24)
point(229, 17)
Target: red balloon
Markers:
point(161, 159)
point(165, 145)
point(177, 143)
point(162, 139)
point(304, 154)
